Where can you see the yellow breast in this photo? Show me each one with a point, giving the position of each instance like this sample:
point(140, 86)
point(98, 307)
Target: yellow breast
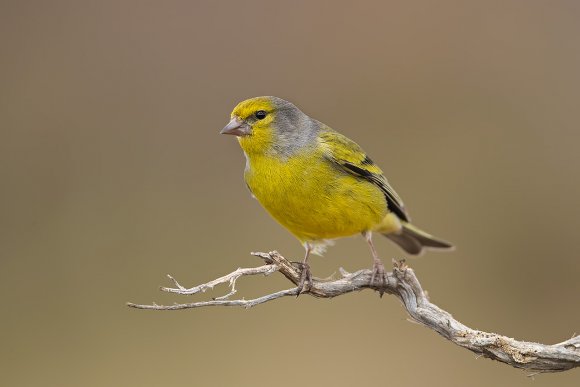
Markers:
point(312, 198)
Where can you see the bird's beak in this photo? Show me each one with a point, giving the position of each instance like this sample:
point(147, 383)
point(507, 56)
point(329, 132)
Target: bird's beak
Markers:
point(236, 127)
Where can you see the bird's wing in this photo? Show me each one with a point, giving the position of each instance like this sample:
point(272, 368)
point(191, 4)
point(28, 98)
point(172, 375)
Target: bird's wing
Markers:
point(350, 157)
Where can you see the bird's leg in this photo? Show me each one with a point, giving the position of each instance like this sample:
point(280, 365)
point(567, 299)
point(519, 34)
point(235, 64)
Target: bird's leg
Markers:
point(378, 268)
point(305, 275)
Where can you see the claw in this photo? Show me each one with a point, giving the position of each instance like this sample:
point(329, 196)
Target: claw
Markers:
point(378, 268)
point(305, 276)
point(379, 274)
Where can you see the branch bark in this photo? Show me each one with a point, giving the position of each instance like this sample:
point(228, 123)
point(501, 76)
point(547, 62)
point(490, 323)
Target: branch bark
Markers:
point(403, 284)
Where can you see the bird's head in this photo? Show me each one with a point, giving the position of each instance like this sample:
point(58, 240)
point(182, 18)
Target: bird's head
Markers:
point(270, 125)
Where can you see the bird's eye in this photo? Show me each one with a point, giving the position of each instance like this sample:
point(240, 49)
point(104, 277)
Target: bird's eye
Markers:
point(260, 114)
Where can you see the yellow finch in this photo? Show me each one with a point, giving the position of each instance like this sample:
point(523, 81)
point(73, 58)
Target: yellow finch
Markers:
point(317, 183)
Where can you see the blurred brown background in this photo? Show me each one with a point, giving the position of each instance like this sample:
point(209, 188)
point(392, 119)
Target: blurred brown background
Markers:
point(113, 174)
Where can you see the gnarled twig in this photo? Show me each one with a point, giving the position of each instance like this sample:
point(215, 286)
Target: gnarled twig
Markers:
point(403, 284)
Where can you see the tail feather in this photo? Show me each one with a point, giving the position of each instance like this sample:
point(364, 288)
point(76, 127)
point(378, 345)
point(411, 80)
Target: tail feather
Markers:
point(413, 240)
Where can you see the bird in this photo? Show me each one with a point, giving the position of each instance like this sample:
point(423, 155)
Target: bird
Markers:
point(319, 184)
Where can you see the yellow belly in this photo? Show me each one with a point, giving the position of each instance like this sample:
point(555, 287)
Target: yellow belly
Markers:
point(313, 199)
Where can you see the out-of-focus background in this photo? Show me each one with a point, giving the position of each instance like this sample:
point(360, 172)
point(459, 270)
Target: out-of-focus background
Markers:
point(113, 174)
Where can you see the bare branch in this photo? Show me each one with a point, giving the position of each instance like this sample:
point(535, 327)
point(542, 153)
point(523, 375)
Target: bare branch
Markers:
point(231, 278)
point(403, 284)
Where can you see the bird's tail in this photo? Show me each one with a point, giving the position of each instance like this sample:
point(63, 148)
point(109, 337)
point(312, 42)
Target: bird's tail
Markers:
point(413, 240)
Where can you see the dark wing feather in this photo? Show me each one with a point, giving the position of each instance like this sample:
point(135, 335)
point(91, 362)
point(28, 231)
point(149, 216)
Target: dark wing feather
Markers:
point(350, 157)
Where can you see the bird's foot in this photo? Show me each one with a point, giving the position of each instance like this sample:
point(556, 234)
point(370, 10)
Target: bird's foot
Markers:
point(305, 276)
point(378, 278)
